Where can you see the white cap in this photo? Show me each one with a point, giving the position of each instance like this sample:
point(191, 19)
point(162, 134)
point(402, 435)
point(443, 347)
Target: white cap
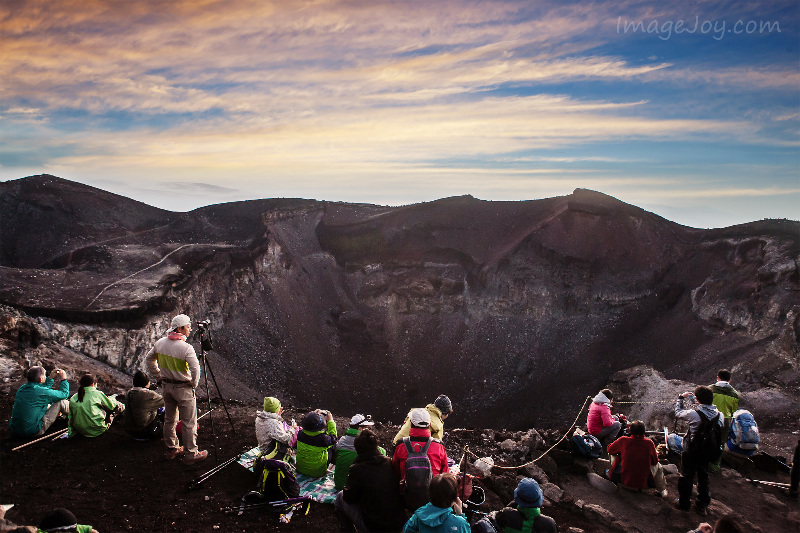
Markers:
point(361, 420)
point(178, 321)
point(420, 418)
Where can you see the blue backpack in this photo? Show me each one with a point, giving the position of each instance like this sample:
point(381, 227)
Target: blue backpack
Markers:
point(744, 431)
point(587, 445)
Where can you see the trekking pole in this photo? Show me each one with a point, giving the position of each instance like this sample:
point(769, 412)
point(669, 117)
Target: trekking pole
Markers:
point(59, 432)
point(230, 509)
point(771, 483)
point(206, 413)
point(196, 482)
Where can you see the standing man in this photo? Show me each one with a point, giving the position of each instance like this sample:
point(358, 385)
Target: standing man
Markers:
point(702, 418)
point(726, 398)
point(37, 404)
point(173, 361)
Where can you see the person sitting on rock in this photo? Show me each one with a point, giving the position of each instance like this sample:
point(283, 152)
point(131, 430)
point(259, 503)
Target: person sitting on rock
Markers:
point(371, 501)
point(63, 521)
point(443, 514)
point(144, 413)
point(275, 437)
point(599, 421)
point(419, 437)
point(439, 410)
point(523, 514)
point(90, 410)
point(637, 466)
point(316, 443)
point(37, 404)
point(346, 451)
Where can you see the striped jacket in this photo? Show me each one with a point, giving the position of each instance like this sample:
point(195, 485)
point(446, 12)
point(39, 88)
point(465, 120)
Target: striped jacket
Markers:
point(173, 360)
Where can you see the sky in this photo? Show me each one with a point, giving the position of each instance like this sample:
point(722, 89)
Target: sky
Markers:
point(687, 109)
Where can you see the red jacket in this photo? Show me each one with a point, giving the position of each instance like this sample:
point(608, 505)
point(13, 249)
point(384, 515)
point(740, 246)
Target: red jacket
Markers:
point(636, 453)
point(436, 453)
point(599, 417)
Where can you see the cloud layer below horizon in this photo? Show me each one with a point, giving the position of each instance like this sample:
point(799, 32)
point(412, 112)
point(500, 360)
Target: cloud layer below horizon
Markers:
point(187, 103)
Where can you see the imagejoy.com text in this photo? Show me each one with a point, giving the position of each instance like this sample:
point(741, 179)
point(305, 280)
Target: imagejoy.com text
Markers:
point(718, 29)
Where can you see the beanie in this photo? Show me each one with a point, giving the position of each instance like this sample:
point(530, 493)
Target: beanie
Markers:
point(272, 405)
point(313, 421)
point(444, 404)
point(528, 493)
point(420, 418)
point(59, 519)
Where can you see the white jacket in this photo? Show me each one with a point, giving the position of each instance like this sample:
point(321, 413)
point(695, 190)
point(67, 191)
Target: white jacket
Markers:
point(269, 427)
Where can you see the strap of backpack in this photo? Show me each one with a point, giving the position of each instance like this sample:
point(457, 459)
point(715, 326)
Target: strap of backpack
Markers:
point(427, 445)
point(407, 443)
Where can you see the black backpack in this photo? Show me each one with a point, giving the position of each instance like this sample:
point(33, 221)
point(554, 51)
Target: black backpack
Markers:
point(706, 443)
point(418, 475)
point(276, 480)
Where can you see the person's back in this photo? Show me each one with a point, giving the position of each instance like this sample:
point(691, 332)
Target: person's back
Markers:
point(141, 409)
point(415, 490)
point(315, 443)
point(726, 398)
point(524, 513)
point(89, 409)
point(439, 410)
point(346, 451)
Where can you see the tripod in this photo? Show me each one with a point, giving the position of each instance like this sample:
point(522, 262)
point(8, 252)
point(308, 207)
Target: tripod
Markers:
point(206, 343)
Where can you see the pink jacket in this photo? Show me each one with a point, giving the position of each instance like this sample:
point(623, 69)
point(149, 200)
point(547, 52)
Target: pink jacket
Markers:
point(599, 414)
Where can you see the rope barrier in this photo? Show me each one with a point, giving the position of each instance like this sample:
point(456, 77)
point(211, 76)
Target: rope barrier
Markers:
point(652, 402)
point(588, 399)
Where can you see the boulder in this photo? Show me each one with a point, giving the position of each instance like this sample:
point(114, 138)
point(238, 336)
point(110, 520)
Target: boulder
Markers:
point(536, 472)
point(510, 446)
point(601, 483)
point(670, 469)
point(532, 440)
point(552, 492)
point(598, 513)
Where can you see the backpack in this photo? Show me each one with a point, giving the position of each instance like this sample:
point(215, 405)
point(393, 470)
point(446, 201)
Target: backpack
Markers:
point(587, 445)
point(706, 443)
point(276, 479)
point(744, 431)
point(418, 475)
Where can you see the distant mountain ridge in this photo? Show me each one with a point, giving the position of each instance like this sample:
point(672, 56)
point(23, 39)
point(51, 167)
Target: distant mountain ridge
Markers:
point(508, 307)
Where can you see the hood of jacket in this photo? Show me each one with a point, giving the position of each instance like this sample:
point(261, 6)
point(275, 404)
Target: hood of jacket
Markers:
point(433, 516)
point(601, 398)
point(266, 414)
point(710, 411)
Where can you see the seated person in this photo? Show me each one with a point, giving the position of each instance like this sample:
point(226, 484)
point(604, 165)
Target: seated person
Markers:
point(316, 443)
point(346, 451)
point(63, 521)
point(37, 404)
point(523, 514)
point(443, 514)
point(371, 501)
point(419, 437)
point(599, 421)
point(275, 437)
point(637, 466)
point(439, 410)
point(90, 410)
point(144, 413)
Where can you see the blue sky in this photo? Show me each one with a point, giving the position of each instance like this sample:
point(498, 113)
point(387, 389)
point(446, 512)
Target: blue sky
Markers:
point(687, 109)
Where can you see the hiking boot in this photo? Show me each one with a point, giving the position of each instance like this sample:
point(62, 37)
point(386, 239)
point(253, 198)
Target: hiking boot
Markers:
point(196, 458)
point(172, 453)
point(678, 506)
point(701, 510)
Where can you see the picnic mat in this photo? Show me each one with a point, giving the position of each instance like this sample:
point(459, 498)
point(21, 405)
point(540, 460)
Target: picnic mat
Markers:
point(319, 489)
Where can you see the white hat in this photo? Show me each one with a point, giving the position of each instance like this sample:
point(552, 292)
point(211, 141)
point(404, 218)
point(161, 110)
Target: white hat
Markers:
point(420, 418)
point(361, 420)
point(178, 321)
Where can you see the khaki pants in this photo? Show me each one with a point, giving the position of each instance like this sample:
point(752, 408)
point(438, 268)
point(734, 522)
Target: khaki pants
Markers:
point(180, 400)
point(52, 413)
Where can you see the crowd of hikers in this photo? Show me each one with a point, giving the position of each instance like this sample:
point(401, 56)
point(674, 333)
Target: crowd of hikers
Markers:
point(411, 488)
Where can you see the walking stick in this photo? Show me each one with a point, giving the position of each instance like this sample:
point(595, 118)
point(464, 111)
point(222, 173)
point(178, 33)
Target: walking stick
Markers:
point(196, 482)
point(59, 432)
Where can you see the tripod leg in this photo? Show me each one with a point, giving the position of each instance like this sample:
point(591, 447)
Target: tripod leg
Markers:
point(206, 369)
point(221, 399)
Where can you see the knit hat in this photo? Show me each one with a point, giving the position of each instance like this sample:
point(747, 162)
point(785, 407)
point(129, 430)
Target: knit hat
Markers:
point(444, 404)
point(361, 421)
point(59, 519)
point(313, 421)
point(140, 379)
point(178, 321)
point(420, 418)
point(528, 493)
point(272, 405)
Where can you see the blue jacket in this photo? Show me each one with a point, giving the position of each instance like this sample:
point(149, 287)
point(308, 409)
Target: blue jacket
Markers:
point(432, 519)
point(31, 403)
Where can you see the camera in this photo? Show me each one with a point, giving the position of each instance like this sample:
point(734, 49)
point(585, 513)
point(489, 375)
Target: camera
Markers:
point(203, 325)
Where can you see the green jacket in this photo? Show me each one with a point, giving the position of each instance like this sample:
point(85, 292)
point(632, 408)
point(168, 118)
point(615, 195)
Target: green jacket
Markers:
point(314, 449)
point(437, 426)
point(80, 529)
point(345, 455)
point(88, 418)
point(726, 398)
point(31, 403)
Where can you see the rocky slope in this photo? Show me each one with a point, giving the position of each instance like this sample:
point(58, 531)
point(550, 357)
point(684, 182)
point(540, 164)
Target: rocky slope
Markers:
point(517, 310)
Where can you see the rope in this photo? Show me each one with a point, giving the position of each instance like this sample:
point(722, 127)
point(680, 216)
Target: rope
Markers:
point(588, 399)
point(656, 401)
